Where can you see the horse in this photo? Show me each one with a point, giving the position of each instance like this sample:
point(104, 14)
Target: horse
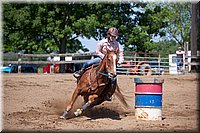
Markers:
point(95, 83)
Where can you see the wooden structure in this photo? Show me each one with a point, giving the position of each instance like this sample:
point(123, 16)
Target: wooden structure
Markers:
point(195, 32)
point(19, 59)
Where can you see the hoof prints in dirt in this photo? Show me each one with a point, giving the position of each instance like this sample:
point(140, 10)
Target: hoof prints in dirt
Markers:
point(30, 114)
point(39, 100)
point(33, 119)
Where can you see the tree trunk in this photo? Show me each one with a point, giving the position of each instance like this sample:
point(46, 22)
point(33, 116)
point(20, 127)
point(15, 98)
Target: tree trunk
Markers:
point(62, 50)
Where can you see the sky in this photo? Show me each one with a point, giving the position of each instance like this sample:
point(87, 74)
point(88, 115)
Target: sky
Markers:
point(89, 43)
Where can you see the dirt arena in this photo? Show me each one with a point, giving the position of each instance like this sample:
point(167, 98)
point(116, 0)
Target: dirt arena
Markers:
point(33, 102)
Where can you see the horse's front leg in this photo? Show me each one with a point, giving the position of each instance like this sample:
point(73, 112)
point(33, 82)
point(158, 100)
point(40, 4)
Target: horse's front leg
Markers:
point(71, 103)
point(91, 99)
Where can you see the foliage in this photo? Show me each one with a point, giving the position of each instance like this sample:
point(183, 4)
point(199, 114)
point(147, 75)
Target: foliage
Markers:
point(178, 18)
point(56, 27)
point(165, 47)
point(148, 24)
point(49, 27)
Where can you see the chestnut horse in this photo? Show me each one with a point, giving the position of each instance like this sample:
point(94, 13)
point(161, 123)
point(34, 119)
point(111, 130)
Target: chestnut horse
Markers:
point(95, 83)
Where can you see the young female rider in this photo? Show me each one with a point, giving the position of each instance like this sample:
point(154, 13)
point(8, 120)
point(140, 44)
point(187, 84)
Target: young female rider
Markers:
point(109, 42)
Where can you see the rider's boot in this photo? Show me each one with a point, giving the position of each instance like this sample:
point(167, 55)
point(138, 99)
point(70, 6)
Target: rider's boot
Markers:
point(108, 97)
point(77, 74)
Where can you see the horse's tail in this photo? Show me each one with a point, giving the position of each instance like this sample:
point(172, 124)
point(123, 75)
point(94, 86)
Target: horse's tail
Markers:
point(120, 96)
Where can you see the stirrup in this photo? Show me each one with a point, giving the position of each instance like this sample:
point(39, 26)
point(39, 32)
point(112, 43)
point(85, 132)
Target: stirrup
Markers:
point(76, 75)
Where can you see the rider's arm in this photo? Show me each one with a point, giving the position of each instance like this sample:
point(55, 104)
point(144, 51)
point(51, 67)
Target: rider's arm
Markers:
point(99, 49)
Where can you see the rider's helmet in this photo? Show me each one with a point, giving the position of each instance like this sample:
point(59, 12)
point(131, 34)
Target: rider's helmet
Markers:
point(112, 31)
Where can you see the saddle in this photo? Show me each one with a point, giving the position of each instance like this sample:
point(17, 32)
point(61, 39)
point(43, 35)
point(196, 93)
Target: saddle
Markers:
point(93, 82)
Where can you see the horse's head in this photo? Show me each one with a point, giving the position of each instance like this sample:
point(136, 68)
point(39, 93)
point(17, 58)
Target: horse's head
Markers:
point(111, 63)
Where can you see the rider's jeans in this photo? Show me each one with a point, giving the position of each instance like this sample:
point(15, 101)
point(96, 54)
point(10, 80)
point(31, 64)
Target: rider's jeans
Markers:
point(91, 62)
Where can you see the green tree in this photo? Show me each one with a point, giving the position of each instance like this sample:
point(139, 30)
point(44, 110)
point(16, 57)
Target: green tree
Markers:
point(148, 23)
point(165, 47)
point(48, 27)
point(178, 18)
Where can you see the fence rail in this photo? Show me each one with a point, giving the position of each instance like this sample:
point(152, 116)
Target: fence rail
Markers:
point(18, 58)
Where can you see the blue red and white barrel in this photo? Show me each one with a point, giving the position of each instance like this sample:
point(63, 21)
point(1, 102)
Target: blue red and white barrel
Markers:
point(148, 98)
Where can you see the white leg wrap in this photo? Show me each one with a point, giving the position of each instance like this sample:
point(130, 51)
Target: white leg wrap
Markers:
point(64, 114)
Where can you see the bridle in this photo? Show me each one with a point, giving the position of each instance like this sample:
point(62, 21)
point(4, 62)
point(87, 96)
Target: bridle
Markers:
point(107, 73)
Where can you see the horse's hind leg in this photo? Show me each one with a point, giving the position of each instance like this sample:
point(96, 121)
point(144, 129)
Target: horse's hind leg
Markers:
point(70, 105)
point(91, 99)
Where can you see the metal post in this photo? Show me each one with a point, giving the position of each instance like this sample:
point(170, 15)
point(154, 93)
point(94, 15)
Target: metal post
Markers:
point(52, 64)
point(159, 62)
point(19, 62)
point(186, 56)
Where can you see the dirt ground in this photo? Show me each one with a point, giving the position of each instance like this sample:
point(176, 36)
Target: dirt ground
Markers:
point(34, 102)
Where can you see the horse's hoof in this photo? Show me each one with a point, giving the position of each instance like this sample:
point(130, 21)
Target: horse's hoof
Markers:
point(62, 117)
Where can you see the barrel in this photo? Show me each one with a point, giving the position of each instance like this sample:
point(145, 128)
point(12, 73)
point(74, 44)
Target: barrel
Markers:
point(148, 98)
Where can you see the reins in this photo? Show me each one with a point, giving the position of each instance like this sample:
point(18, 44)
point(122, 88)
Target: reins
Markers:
point(105, 74)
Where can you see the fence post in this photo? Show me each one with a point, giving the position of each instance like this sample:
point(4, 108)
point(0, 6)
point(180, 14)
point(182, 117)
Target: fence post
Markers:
point(19, 62)
point(159, 60)
point(135, 54)
point(52, 64)
point(186, 56)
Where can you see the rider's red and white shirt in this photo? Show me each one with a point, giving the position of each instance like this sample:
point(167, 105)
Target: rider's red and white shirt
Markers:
point(101, 49)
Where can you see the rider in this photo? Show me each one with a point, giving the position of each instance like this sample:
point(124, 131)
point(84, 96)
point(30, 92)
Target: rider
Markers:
point(109, 42)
